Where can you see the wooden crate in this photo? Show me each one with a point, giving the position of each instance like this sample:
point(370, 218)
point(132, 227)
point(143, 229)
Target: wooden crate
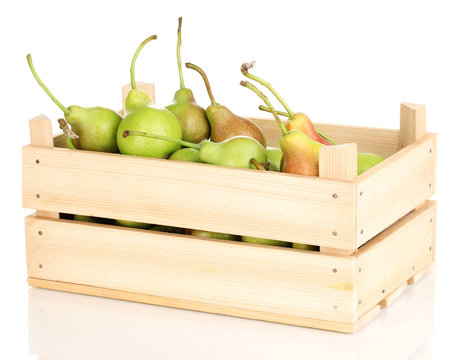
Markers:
point(339, 288)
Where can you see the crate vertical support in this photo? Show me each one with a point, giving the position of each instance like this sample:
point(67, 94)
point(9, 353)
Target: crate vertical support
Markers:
point(412, 123)
point(41, 134)
point(148, 88)
point(339, 162)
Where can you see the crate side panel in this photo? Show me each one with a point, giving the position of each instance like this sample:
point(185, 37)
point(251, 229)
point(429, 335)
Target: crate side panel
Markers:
point(394, 187)
point(384, 142)
point(206, 197)
point(282, 281)
point(388, 261)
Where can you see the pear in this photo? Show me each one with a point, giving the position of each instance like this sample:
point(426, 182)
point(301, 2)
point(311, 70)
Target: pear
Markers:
point(191, 116)
point(305, 247)
point(298, 120)
point(262, 241)
point(142, 115)
point(367, 161)
point(85, 218)
point(134, 224)
point(274, 158)
point(238, 151)
point(168, 229)
point(212, 235)
point(300, 153)
point(95, 127)
point(224, 123)
point(186, 154)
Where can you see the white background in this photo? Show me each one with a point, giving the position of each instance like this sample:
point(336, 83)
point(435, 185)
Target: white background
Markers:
point(344, 62)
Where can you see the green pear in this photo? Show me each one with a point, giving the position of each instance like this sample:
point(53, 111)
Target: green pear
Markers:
point(235, 152)
point(85, 218)
point(305, 247)
point(168, 229)
point(186, 154)
point(134, 224)
point(274, 158)
point(142, 115)
point(191, 116)
point(262, 241)
point(96, 127)
point(225, 124)
point(367, 161)
point(213, 235)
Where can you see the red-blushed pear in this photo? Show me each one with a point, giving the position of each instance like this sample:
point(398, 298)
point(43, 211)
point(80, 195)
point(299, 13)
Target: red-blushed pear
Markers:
point(224, 123)
point(298, 121)
point(300, 153)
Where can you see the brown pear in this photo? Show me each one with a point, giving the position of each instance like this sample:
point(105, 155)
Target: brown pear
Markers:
point(224, 123)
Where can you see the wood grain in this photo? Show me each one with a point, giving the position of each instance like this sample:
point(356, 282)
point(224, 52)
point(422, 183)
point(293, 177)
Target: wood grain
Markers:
point(217, 272)
point(394, 187)
point(412, 123)
point(41, 135)
point(384, 142)
point(272, 205)
point(394, 256)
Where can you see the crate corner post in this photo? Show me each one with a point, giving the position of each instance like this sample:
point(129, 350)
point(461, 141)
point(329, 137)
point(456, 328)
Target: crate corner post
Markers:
point(412, 123)
point(338, 162)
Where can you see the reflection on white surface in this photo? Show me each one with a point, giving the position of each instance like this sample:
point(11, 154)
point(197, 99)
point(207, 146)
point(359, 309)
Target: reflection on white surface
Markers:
point(68, 326)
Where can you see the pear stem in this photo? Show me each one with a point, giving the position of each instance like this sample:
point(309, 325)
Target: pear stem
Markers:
point(264, 108)
point(178, 54)
point(206, 80)
point(245, 71)
point(282, 113)
point(135, 56)
point(161, 137)
point(257, 164)
point(265, 99)
point(65, 110)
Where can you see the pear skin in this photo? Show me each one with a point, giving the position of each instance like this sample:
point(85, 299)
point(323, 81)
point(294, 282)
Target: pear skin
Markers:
point(301, 154)
point(274, 158)
point(367, 161)
point(186, 154)
point(192, 117)
point(262, 241)
point(212, 235)
point(225, 124)
point(303, 123)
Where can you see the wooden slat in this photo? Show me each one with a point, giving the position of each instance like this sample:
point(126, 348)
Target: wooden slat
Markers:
point(148, 88)
point(216, 198)
point(394, 256)
point(412, 123)
point(41, 135)
point(339, 162)
point(390, 298)
point(394, 187)
point(203, 307)
point(224, 273)
point(421, 274)
point(384, 142)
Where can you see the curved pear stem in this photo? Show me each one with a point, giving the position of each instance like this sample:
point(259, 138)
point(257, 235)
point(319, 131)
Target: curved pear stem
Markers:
point(65, 110)
point(324, 136)
point(282, 113)
point(265, 99)
point(135, 56)
point(245, 71)
point(206, 80)
point(257, 164)
point(161, 137)
point(178, 54)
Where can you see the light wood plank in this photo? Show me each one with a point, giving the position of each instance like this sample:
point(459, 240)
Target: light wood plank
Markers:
point(394, 256)
point(217, 272)
point(422, 273)
point(389, 299)
point(148, 88)
point(198, 196)
point(412, 123)
point(367, 317)
point(198, 306)
point(384, 142)
point(41, 135)
point(339, 162)
point(394, 187)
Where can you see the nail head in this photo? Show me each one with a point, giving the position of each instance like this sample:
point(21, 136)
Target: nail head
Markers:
point(37, 161)
point(334, 270)
point(334, 196)
point(37, 196)
point(335, 307)
point(383, 291)
point(40, 232)
point(334, 233)
point(40, 266)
